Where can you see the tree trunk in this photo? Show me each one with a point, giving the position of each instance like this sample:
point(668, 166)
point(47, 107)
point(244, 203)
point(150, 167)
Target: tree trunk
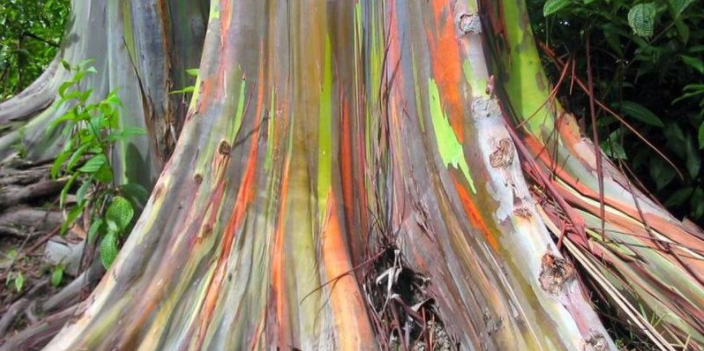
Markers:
point(346, 165)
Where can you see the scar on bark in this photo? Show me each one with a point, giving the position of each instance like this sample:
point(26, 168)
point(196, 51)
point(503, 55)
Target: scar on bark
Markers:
point(555, 272)
point(502, 157)
point(224, 148)
point(520, 207)
point(470, 23)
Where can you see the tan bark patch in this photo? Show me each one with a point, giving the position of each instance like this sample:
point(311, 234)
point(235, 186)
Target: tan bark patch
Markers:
point(554, 273)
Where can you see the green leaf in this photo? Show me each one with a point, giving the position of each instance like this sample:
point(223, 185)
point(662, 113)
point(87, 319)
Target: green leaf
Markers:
point(94, 164)
point(65, 190)
point(697, 203)
point(136, 192)
point(58, 163)
point(661, 173)
point(19, 281)
point(76, 156)
point(125, 134)
point(94, 228)
point(120, 212)
point(552, 6)
point(678, 6)
point(81, 193)
point(68, 116)
point(612, 146)
point(193, 72)
point(108, 249)
point(104, 174)
point(63, 87)
point(75, 212)
point(693, 62)
point(83, 96)
point(701, 136)
point(57, 275)
point(641, 113)
point(694, 160)
point(679, 197)
point(85, 63)
point(613, 34)
point(641, 18)
point(188, 89)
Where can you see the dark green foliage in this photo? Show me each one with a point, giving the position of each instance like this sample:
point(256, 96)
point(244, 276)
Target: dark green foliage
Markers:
point(29, 39)
point(647, 59)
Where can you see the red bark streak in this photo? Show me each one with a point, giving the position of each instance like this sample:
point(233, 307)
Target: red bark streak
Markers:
point(346, 171)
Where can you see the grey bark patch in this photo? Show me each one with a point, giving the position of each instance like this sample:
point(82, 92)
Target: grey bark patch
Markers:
point(555, 272)
point(484, 108)
point(470, 23)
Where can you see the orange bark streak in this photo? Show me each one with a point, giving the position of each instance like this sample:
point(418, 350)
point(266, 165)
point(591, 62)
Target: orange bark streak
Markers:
point(352, 326)
point(447, 70)
point(475, 217)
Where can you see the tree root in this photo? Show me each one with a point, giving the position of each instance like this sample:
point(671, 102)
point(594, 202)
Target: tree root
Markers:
point(38, 334)
point(13, 195)
point(36, 97)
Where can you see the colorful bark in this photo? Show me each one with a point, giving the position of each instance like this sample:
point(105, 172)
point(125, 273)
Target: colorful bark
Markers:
point(310, 118)
point(319, 133)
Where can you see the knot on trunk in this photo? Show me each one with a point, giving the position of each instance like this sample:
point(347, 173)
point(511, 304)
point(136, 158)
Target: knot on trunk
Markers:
point(555, 272)
point(224, 148)
point(502, 157)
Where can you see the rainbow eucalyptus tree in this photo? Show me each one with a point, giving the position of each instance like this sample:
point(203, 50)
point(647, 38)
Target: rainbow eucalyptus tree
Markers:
point(336, 155)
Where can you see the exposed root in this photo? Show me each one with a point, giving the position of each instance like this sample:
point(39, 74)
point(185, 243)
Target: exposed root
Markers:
point(13, 195)
point(37, 335)
point(33, 99)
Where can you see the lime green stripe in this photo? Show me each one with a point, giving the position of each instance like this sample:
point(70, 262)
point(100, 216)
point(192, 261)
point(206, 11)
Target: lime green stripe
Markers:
point(449, 146)
point(325, 131)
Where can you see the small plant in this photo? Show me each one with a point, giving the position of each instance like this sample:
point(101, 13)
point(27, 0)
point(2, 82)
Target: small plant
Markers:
point(193, 72)
point(92, 130)
point(14, 278)
point(19, 147)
